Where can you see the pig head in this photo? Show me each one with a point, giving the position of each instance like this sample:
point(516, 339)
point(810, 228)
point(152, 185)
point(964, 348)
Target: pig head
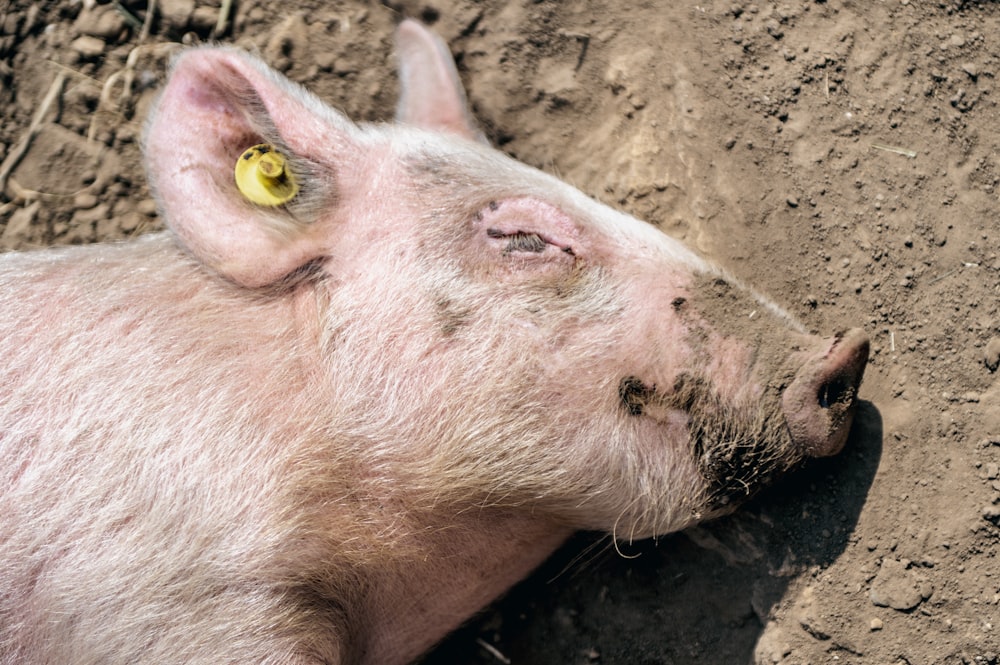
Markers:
point(331, 428)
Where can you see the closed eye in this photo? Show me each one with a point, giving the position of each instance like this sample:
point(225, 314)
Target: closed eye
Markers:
point(521, 241)
point(525, 242)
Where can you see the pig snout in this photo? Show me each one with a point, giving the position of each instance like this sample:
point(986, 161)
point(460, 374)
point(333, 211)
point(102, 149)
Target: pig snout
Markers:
point(819, 404)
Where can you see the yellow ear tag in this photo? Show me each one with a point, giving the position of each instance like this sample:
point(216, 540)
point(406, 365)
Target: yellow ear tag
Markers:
point(263, 177)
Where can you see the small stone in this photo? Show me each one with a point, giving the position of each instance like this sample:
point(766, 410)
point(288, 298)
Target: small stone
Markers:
point(991, 354)
point(992, 470)
point(176, 12)
point(92, 215)
point(18, 231)
point(204, 19)
point(147, 207)
point(875, 624)
point(792, 202)
point(325, 60)
point(10, 24)
point(897, 587)
point(344, 66)
point(288, 40)
point(971, 69)
point(108, 227)
point(101, 21)
point(130, 221)
point(84, 201)
point(88, 46)
point(31, 20)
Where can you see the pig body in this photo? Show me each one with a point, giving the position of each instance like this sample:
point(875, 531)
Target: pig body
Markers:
point(331, 430)
point(190, 483)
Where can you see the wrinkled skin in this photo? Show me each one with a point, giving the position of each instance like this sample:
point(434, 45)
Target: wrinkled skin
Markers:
point(332, 430)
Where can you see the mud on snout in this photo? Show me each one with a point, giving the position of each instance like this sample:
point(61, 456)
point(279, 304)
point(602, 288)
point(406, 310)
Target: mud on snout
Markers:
point(740, 448)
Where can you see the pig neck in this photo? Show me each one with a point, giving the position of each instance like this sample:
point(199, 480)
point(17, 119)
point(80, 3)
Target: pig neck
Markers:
point(448, 573)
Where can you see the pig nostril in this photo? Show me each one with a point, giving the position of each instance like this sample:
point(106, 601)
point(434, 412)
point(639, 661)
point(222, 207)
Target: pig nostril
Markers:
point(836, 391)
point(820, 402)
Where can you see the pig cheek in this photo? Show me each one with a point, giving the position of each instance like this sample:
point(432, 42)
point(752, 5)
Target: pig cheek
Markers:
point(675, 491)
point(727, 362)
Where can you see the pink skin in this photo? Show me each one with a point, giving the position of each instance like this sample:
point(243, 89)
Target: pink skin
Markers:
point(332, 431)
point(467, 566)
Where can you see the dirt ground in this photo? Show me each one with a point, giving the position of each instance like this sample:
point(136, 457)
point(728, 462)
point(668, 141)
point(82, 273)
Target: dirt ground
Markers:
point(840, 156)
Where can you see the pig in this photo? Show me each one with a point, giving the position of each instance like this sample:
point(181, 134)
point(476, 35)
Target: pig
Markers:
point(328, 424)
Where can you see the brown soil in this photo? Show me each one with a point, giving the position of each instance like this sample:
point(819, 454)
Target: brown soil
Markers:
point(841, 156)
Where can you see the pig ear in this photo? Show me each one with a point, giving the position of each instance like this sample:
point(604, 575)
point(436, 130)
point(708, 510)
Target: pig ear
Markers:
point(431, 95)
point(216, 105)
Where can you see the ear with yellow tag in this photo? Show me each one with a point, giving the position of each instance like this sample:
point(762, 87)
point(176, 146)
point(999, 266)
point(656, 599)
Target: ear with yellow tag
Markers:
point(247, 166)
point(264, 177)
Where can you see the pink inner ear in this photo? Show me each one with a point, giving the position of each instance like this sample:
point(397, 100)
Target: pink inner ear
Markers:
point(207, 97)
point(205, 118)
point(529, 215)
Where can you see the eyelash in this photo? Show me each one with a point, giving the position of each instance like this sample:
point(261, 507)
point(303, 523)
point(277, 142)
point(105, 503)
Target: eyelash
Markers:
point(523, 242)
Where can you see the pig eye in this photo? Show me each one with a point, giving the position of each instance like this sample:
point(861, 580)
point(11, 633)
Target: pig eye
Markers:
point(528, 234)
point(521, 241)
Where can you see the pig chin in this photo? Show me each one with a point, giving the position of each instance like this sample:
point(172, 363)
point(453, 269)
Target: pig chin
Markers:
point(738, 446)
point(734, 445)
